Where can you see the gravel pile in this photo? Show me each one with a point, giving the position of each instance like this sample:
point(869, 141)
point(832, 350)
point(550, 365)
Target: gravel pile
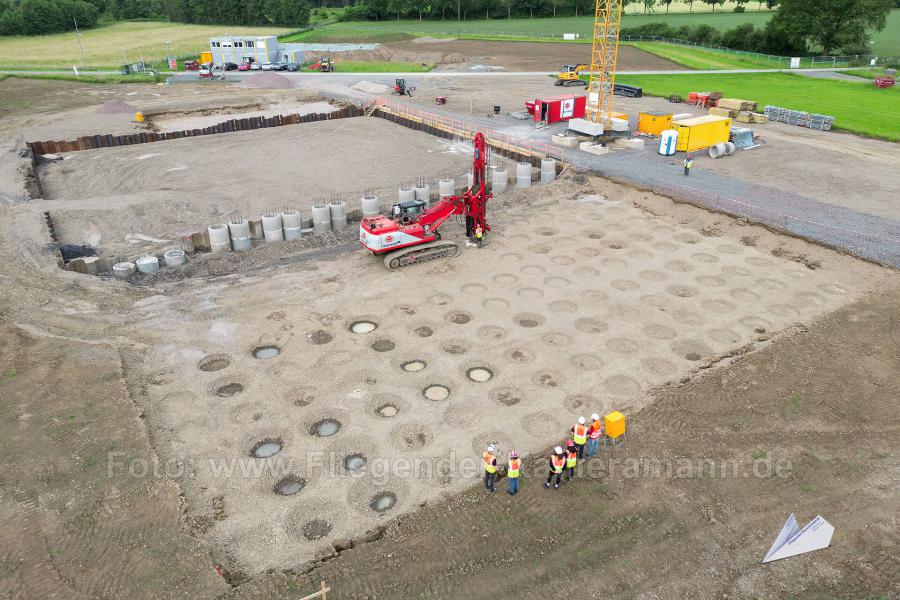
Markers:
point(115, 107)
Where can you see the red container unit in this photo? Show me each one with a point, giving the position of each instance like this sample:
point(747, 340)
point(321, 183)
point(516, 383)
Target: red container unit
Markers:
point(557, 108)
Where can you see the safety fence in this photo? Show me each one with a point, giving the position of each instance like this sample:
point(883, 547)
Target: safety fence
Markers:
point(517, 149)
point(92, 142)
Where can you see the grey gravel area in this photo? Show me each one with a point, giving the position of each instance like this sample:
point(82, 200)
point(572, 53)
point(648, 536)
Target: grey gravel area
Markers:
point(864, 235)
point(832, 75)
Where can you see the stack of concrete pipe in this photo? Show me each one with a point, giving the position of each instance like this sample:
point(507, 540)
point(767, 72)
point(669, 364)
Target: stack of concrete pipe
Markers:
point(291, 222)
point(423, 192)
point(338, 213)
point(219, 240)
point(523, 175)
point(371, 206)
point(123, 269)
point(240, 235)
point(272, 227)
point(548, 170)
point(174, 258)
point(446, 188)
point(406, 194)
point(499, 179)
point(321, 216)
point(147, 264)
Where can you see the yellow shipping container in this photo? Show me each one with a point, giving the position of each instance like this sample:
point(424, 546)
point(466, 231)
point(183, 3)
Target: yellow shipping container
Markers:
point(205, 57)
point(701, 132)
point(654, 123)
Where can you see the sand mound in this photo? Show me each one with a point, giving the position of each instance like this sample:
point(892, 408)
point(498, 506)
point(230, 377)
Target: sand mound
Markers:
point(267, 79)
point(432, 40)
point(370, 88)
point(454, 58)
point(116, 107)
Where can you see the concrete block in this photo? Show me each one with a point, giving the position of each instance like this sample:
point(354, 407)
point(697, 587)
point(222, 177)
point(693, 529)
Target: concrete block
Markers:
point(630, 142)
point(566, 141)
point(618, 124)
point(593, 148)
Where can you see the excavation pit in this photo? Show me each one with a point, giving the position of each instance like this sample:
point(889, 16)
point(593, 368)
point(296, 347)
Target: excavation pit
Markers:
point(414, 366)
point(436, 392)
point(214, 362)
point(229, 389)
point(265, 352)
point(289, 485)
point(363, 327)
point(383, 502)
point(479, 374)
point(355, 463)
point(325, 428)
point(266, 449)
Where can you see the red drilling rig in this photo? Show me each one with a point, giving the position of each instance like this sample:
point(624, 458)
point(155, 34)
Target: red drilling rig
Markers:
point(410, 234)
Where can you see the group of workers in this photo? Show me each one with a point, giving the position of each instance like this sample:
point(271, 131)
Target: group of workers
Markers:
point(562, 462)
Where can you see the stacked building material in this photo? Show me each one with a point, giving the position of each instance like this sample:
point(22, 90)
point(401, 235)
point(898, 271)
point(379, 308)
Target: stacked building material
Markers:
point(799, 118)
point(737, 104)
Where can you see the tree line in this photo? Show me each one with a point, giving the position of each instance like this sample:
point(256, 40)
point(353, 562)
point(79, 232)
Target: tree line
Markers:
point(797, 27)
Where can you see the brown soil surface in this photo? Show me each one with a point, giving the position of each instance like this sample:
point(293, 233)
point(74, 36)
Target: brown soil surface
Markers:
point(518, 56)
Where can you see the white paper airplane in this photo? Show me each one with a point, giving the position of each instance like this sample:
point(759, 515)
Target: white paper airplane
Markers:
point(792, 540)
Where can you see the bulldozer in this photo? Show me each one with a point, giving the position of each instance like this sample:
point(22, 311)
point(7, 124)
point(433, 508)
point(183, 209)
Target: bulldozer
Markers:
point(571, 75)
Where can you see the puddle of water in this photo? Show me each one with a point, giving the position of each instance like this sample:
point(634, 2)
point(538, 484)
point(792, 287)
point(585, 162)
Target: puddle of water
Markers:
point(266, 449)
point(363, 327)
point(383, 502)
point(266, 351)
point(413, 366)
point(479, 374)
point(355, 463)
point(326, 428)
point(436, 392)
point(289, 486)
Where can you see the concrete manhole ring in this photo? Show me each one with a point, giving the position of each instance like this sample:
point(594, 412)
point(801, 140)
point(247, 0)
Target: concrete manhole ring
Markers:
point(214, 362)
point(266, 448)
point(265, 352)
point(479, 374)
point(363, 326)
point(290, 485)
point(325, 428)
point(414, 366)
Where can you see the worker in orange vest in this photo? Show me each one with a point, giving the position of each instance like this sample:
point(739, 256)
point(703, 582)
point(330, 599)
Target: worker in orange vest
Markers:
point(571, 460)
point(594, 432)
point(579, 436)
point(557, 462)
point(513, 472)
point(490, 468)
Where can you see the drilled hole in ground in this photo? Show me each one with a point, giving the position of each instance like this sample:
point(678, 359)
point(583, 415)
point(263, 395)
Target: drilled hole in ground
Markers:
point(692, 356)
point(383, 502)
point(479, 374)
point(325, 427)
point(315, 529)
point(266, 352)
point(363, 326)
point(229, 389)
point(387, 411)
point(383, 345)
point(459, 317)
point(436, 392)
point(289, 485)
point(266, 448)
point(214, 362)
point(413, 366)
point(320, 337)
point(424, 331)
point(453, 349)
point(355, 463)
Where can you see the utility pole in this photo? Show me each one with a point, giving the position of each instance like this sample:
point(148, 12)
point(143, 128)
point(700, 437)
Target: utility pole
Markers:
point(78, 35)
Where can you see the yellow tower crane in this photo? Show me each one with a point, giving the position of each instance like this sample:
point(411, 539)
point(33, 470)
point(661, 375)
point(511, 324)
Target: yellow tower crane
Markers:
point(604, 55)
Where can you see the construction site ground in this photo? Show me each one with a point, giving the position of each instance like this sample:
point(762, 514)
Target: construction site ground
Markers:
point(132, 408)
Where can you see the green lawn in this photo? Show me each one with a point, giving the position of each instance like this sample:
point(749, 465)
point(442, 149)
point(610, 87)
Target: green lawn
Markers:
point(857, 107)
point(339, 36)
point(697, 58)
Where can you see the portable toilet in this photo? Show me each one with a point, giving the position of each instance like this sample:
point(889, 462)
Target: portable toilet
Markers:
point(668, 139)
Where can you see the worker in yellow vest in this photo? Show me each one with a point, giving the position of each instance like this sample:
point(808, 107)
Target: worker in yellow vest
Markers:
point(579, 436)
point(479, 234)
point(513, 472)
point(557, 462)
point(594, 432)
point(571, 460)
point(490, 468)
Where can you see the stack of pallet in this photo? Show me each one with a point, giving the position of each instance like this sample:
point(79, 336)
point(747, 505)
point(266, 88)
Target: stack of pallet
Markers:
point(799, 118)
point(745, 116)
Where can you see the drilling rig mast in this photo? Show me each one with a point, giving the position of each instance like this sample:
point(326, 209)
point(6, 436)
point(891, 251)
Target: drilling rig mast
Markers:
point(604, 55)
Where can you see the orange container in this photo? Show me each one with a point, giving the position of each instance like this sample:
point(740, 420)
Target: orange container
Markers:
point(615, 424)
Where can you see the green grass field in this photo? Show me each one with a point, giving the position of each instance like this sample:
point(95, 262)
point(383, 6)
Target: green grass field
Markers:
point(105, 46)
point(697, 58)
point(857, 107)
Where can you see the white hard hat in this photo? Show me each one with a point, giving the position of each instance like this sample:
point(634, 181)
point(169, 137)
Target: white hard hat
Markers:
point(558, 450)
point(595, 417)
point(491, 448)
point(581, 420)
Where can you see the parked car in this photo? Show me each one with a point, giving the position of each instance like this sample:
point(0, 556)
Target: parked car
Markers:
point(292, 66)
point(282, 65)
point(206, 70)
point(269, 67)
point(255, 66)
point(192, 65)
point(245, 66)
point(230, 66)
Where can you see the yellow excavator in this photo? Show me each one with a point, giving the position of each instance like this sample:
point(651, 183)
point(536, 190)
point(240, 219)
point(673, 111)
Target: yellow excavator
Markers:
point(571, 75)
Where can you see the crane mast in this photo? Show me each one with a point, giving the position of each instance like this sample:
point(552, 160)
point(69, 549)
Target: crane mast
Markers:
point(604, 55)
